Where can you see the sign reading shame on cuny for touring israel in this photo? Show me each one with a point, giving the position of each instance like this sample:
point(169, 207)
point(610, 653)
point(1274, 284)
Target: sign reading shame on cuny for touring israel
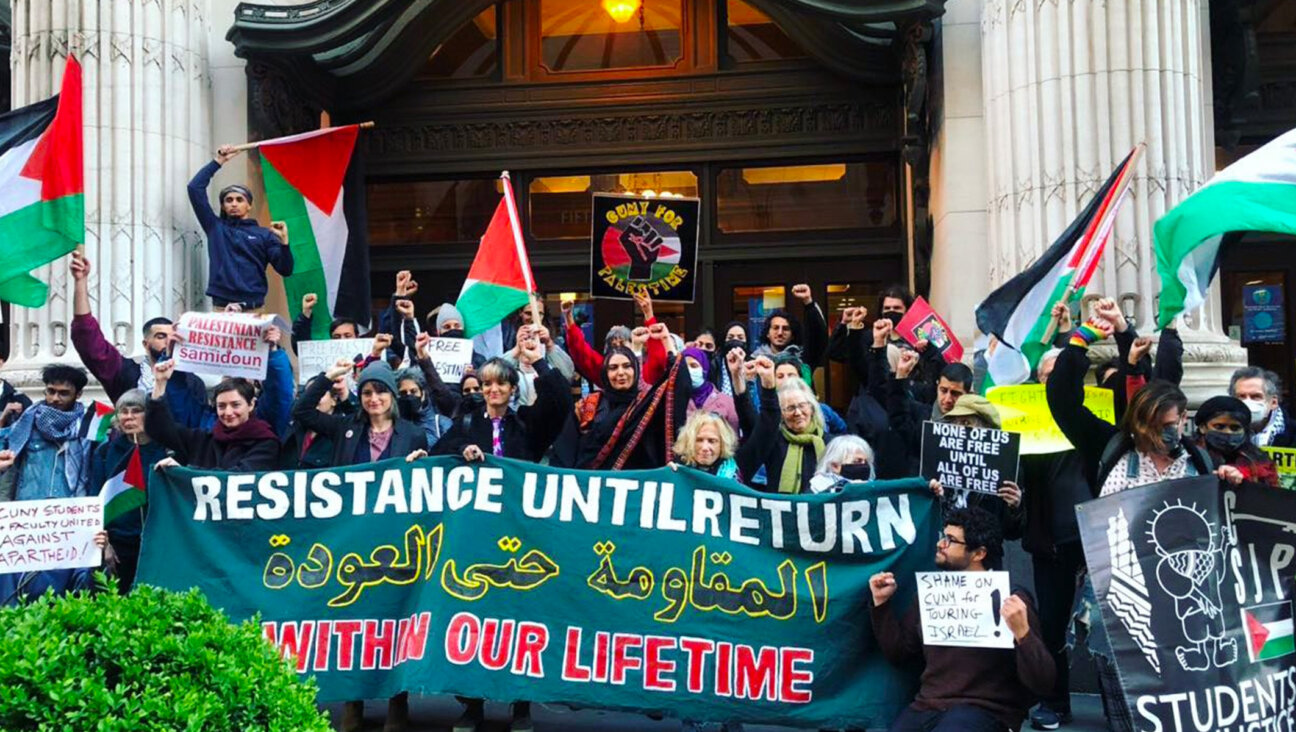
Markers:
point(977, 459)
point(964, 609)
point(225, 344)
point(56, 533)
point(1194, 582)
point(653, 591)
point(642, 244)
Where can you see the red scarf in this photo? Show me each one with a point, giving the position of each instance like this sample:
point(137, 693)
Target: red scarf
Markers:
point(253, 429)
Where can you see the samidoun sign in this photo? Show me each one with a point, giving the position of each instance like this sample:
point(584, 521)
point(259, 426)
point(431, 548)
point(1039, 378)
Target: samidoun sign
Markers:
point(644, 244)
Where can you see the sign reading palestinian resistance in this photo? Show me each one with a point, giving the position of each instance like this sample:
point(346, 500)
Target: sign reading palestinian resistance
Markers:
point(225, 344)
point(921, 323)
point(1195, 585)
point(1285, 460)
point(56, 533)
point(977, 459)
point(963, 609)
point(638, 590)
point(1024, 409)
point(644, 244)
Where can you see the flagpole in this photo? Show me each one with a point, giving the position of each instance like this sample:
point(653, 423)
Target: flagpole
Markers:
point(249, 145)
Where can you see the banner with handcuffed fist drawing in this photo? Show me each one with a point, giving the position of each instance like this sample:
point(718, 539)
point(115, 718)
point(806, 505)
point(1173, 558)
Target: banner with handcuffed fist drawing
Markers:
point(641, 590)
point(1194, 582)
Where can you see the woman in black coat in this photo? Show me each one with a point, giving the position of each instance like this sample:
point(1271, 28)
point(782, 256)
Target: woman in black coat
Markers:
point(375, 432)
point(238, 442)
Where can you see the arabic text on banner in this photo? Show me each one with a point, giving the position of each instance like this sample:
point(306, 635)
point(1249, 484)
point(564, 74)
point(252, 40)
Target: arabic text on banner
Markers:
point(643, 590)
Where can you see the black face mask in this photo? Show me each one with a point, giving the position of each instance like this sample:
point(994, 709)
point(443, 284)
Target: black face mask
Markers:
point(855, 472)
point(730, 345)
point(1225, 442)
point(409, 406)
point(455, 333)
point(895, 318)
point(473, 402)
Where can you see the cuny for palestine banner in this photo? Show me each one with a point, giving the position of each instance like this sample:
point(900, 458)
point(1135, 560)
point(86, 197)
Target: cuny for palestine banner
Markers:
point(644, 245)
point(639, 590)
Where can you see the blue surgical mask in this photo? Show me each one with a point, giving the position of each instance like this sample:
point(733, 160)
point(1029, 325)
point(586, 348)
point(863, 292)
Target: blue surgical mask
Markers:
point(696, 376)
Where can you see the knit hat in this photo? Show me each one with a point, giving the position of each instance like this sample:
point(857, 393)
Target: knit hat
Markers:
point(236, 188)
point(975, 405)
point(380, 372)
point(447, 313)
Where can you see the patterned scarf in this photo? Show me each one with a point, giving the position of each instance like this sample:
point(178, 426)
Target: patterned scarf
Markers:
point(1277, 424)
point(790, 474)
point(60, 428)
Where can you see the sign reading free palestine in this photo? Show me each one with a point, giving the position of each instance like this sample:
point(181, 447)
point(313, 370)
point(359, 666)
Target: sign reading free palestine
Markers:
point(638, 590)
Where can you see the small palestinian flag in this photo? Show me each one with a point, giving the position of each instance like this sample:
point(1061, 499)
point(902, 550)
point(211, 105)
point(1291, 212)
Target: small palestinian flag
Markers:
point(42, 204)
point(499, 282)
point(125, 491)
point(100, 418)
point(1269, 630)
point(312, 186)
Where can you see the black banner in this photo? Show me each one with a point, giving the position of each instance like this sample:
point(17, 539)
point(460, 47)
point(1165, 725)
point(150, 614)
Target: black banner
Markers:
point(976, 459)
point(642, 244)
point(1194, 584)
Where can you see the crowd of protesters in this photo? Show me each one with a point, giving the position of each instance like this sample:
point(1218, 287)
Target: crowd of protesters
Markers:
point(738, 405)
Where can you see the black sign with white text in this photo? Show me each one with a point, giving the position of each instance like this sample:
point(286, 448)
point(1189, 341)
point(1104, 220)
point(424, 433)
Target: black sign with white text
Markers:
point(976, 459)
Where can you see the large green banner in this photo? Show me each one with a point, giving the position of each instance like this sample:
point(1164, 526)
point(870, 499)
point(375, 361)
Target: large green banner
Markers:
point(649, 590)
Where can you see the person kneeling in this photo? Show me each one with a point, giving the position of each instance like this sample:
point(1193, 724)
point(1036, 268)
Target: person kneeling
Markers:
point(966, 689)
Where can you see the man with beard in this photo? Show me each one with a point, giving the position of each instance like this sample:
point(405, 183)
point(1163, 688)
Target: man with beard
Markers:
point(782, 331)
point(965, 689)
point(186, 393)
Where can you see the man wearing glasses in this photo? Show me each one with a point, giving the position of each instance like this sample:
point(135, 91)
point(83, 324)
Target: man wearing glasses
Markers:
point(965, 689)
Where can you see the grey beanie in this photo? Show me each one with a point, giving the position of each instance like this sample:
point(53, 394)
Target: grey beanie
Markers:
point(446, 313)
point(236, 188)
point(380, 372)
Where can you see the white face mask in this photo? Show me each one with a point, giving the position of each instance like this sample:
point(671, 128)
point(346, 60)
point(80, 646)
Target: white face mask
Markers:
point(1259, 411)
point(696, 376)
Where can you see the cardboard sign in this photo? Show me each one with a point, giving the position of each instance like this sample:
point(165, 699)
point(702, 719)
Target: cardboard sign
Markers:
point(314, 357)
point(451, 357)
point(921, 323)
point(644, 244)
point(1285, 459)
point(51, 534)
point(225, 344)
point(1024, 410)
point(963, 609)
point(969, 458)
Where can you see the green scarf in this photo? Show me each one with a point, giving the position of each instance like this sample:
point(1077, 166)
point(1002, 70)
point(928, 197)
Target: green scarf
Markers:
point(790, 475)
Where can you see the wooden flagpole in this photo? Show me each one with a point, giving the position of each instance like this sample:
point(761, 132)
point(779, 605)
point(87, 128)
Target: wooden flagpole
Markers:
point(259, 143)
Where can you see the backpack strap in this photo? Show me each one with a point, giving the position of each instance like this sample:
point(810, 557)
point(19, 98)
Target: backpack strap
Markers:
point(1117, 446)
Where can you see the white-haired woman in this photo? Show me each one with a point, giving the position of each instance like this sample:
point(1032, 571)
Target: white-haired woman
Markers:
point(847, 459)
point(708, 443)
point(788, 439)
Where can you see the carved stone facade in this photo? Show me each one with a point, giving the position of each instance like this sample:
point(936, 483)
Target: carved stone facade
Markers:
point(146, 106)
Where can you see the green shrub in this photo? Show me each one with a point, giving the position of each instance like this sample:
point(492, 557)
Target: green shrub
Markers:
point(150, 660)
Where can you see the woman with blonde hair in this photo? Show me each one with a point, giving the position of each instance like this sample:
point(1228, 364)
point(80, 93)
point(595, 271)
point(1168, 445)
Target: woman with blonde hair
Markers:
point(708, 443)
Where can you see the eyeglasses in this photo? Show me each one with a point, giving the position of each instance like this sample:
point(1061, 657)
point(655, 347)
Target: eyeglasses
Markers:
point(947, 539)
point(794, 408)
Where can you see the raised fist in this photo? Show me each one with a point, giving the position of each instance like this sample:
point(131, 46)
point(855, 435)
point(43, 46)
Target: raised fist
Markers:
point(642, 242)
point(309, 300)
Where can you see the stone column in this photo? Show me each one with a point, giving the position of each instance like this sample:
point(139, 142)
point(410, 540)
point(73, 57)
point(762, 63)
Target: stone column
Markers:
point(1069, 88)
point(147, 122)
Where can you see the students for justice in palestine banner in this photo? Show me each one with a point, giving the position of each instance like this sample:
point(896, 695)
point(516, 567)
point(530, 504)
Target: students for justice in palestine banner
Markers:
point(1195, 587)
point(643, 244)
point(644, 590)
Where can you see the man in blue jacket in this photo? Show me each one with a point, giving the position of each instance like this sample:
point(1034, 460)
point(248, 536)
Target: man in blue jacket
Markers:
point(238, 249)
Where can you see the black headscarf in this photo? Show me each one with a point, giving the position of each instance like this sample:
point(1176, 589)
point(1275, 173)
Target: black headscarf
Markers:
point(613, 397)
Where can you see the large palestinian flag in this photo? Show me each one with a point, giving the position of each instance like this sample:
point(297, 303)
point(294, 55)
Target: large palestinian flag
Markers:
point(1257, 193)
point(314, 185)
point(42, 206)
point(499, 282)
point(1019, 312)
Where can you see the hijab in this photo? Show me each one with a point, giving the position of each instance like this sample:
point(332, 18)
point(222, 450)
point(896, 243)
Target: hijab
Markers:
point(619, 398)
point(700, 393)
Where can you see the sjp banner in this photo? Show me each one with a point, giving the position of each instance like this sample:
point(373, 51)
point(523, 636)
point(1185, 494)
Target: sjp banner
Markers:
point(648, 590)
point(644, 244)
point(1195, 588)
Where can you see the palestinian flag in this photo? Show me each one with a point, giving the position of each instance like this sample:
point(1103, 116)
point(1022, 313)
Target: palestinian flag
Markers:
point(1019, 314)
point(42, 202)
point(499, 282)
point(1268, 631)
point(315, 186)
point(99, 420)
point(125, 491)
point(1257, 193)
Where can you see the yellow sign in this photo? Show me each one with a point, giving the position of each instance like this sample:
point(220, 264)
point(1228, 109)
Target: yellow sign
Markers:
point(1024, 409)
point(1285, 459)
